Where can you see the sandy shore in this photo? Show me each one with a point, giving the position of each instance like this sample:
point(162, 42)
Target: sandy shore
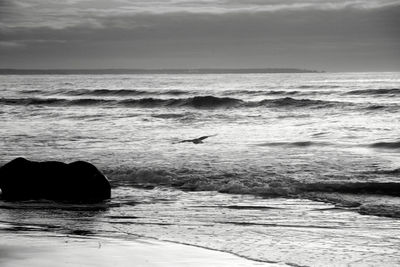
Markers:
point(44, 249)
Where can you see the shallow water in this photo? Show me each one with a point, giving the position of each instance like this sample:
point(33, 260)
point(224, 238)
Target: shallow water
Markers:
point(289, 137)
point(287, 231)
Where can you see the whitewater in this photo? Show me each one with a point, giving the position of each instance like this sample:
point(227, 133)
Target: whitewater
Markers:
point(299, 169)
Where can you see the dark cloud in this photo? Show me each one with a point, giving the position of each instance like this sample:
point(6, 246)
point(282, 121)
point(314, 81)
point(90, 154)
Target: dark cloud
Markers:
point(335, 39)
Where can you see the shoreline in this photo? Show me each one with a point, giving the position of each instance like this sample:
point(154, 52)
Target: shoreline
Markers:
point(37, 249)
point(162, 227)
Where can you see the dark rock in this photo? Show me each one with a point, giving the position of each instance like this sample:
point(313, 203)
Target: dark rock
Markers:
point(21, 179)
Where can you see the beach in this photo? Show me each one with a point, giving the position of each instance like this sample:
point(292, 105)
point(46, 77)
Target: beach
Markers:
point(259, 230)
point(45, 249)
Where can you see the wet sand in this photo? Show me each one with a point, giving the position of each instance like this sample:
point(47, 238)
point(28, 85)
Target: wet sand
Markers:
point(40, 249)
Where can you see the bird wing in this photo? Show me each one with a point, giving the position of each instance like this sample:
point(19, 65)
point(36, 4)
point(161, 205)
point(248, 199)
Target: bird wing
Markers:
point(196, 139)
point(204, 137)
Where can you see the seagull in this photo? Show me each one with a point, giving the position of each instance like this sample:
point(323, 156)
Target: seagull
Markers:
point(196, 140)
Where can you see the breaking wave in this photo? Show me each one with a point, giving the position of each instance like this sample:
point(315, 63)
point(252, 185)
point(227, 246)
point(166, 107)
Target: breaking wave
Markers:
point(195, 102)
point(384, 188)
point(201, 102)
point(345, 194)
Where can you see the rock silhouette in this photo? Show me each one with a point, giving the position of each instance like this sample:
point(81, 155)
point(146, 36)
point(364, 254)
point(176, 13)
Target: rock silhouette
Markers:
point(80, 181)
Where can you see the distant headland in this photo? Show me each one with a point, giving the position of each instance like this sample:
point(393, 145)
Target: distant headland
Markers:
point(153, 71)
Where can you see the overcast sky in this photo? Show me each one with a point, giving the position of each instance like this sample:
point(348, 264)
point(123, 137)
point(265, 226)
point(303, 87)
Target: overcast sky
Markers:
point(332, 35)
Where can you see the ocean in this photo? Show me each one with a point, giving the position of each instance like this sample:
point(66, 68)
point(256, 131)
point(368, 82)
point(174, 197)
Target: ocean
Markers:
point(300, 169)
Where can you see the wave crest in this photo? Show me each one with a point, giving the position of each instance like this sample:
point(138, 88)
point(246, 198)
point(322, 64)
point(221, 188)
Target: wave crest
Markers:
point(292, 102)
point(122, 92)
point(195, 102)
point(200, 102)
point(104, 92)
point(387, 145)
point(295, 144)
point(385, 188)
point(393, 91)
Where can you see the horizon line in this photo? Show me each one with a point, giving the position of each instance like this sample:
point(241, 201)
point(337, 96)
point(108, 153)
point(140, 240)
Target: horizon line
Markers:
point(152, 70)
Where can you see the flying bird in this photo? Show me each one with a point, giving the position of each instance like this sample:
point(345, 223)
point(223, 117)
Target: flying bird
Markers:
point(197, 140)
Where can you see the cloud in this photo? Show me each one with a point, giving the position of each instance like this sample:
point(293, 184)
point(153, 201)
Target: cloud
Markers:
point(62, 14)
point(347, 24)
point(8, 44)
point(324, 34)
point(7, 8)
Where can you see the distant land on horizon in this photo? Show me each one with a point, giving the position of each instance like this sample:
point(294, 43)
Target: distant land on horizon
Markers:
point(154, 71)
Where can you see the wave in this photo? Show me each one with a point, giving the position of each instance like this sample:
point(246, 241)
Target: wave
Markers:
point(385, 210)
point(295, 144)
point(199, 102)
point(318, 86)
point(244, 183)
point(260, 92)
point(53, 101)
point(354, 195)
point(365, 204)
point(172, 92)
point(88, 101)
point(106, 92)
point(175, 92)
point(292, 102)
point(375, 107)
point(31, 91)
point(278, 92)
point(387, 107)
point(384, 188)
point(168, 116)
point(126, 92)
point(394, 171)
point(183, 116)
point(282, 92)
point(195, 102)
point(345, 193)
point(387, 145)
point(31, 101)
point(103, 92)
point(393, 91)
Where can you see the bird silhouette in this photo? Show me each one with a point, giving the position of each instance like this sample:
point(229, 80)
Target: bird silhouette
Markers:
point(196, 140)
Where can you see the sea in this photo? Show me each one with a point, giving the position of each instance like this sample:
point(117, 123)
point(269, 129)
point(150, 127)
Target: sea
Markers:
point(297, 169)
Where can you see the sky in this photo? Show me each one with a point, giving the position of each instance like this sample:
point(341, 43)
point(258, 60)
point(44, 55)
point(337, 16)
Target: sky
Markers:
point(331, 35)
